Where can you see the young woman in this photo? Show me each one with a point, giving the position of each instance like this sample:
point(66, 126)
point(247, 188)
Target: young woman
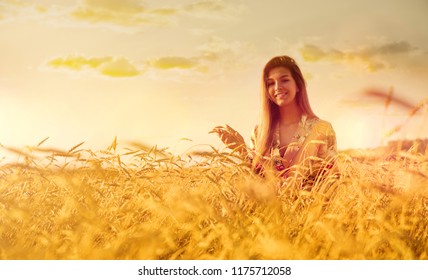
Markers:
point(289, 133)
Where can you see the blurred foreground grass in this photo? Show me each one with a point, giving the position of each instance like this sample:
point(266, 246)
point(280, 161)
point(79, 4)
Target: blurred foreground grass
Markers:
point(82, 204)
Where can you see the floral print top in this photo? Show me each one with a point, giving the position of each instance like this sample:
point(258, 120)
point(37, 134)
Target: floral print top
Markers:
point(314, 139)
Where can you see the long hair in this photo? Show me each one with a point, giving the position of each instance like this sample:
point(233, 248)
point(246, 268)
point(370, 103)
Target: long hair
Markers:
point(270, 111)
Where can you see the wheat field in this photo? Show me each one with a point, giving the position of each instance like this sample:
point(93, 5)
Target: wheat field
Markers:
point(138, 202)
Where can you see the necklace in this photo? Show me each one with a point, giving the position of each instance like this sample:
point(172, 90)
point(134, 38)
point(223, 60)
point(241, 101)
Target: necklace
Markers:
point(293, 148)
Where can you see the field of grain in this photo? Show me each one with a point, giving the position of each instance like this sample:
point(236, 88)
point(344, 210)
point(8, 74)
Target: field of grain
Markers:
point(144, 203)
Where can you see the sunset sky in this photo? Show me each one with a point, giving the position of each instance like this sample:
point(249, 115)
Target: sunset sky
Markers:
point(157, 71)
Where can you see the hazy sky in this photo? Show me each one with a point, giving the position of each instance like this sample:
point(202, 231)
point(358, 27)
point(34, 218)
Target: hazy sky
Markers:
point(158, 71)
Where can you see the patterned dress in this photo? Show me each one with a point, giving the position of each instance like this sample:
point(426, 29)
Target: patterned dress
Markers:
point(313, 143)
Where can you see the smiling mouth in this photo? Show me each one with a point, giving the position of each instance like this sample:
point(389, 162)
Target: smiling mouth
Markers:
point(279, 94)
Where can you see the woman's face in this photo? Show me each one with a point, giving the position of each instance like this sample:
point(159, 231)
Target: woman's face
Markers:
point(281, 86)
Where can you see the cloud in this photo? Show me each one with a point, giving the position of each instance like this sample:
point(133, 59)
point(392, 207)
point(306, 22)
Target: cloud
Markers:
point(374, 58)
point(171, 62)
point(206, 5)
point(10, 9)
point(132, 13)
point(121, 15)
point(390, 48)
point(13, 10)
point(213, 9)
point(165, 11)
point(122, 12)
point(114, 12)
point(216, 57)
point(230, 52)
point(116, 67)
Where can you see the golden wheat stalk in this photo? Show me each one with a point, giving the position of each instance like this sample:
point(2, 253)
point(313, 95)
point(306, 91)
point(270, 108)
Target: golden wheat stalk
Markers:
point(231, 138)
point(388, 98)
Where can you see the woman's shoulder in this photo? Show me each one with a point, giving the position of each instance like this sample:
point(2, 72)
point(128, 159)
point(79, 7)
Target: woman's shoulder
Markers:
point(323, 130)
point(320, 125)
